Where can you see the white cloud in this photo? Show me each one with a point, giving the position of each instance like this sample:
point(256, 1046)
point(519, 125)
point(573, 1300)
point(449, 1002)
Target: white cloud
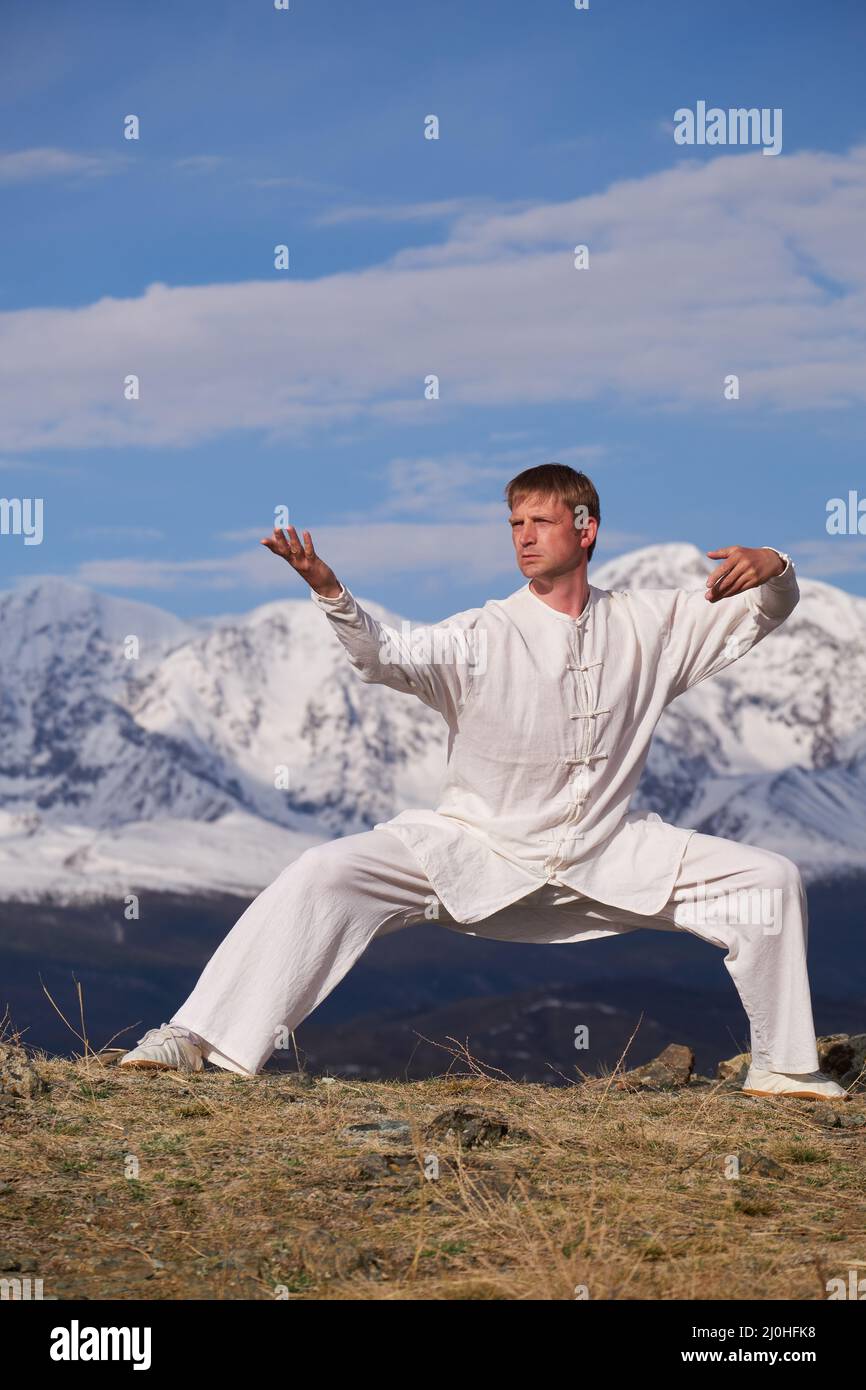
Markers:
point(447, 208)
point(437, 484)
point(289, 181)
point(47, 162)
point(702, 270)
point(830, 555)
point(200, 163)
point(444, 487)
point(369, 551)
point(132, 533)
point(40, 468)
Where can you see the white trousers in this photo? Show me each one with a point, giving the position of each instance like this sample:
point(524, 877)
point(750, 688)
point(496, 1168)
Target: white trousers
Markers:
point(302, 934)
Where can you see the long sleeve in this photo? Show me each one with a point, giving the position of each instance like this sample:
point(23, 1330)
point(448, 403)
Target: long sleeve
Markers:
point(436, 663)
point(703, 638)
point(776, 598)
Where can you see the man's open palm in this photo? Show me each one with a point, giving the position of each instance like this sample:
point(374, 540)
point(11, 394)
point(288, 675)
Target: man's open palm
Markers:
point(304, 559)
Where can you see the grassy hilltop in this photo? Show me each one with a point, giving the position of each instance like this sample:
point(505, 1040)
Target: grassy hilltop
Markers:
point(164, 1186)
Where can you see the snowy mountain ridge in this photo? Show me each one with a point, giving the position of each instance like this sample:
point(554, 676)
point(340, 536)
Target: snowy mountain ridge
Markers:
point(206, 755)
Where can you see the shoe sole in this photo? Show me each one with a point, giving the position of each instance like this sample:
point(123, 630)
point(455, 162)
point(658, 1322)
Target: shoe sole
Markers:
point(795, 1095)
point(150, 1066)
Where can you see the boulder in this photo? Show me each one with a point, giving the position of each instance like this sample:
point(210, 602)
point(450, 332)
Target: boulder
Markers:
point(843, 1056)
point(670, 1071)
point(470, 1126)
point(18, 1075)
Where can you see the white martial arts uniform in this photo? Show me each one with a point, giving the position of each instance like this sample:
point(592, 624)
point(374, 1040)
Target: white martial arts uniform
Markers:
point(550, 720)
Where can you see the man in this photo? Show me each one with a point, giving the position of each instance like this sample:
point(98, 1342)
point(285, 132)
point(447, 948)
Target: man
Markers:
point(550, 696)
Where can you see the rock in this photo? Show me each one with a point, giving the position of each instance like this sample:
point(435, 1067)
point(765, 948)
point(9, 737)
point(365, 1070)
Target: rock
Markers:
point(110, 1056)
point(760, 1163)
point(18, 1075)
point(16, 1264)
point(843, 1056)
point(380, 1165)
point(323, 1254)
point(671, 1070)
point(840, 1119)
point(469, 1125)
point(290, 1081)
point(373, 1129)
point(734, 1069)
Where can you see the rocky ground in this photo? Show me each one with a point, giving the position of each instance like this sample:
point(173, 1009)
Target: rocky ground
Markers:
point(654, 1183)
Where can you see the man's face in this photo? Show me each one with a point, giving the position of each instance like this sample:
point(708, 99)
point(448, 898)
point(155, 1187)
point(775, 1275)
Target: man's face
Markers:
point(546, 541)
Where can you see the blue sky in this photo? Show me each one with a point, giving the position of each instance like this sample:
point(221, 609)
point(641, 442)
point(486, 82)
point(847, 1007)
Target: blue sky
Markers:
point(410, 257)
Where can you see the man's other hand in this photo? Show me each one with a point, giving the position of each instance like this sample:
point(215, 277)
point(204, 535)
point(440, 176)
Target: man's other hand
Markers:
point(304, 559)
point(741, 569)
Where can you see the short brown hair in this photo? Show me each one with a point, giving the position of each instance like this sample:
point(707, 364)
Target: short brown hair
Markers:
point(556, 480)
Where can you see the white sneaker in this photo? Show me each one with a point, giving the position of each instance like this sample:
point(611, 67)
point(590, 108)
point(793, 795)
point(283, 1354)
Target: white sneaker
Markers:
point(812, 1085)
point(168, 1048)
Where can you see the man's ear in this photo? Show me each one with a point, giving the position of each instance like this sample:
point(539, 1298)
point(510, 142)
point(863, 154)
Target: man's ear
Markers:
point(588, 528)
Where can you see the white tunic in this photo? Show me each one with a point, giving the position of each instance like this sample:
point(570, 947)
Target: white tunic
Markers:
point(550, 720)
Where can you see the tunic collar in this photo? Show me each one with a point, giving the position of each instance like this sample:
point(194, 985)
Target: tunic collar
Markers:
point(564, 617)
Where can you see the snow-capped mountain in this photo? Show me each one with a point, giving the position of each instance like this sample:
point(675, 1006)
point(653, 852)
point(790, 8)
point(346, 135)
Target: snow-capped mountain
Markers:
point(138, 751)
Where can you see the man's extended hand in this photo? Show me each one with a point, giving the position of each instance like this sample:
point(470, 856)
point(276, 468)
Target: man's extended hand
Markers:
point(304, 559)
point(741, 569)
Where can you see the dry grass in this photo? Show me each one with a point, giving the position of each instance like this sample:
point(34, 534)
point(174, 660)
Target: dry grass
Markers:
point(161, 1186)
